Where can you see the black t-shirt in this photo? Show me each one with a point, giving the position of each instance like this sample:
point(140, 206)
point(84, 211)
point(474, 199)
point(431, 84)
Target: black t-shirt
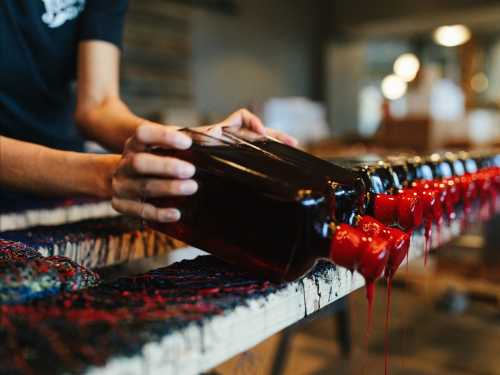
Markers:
point(38, 51)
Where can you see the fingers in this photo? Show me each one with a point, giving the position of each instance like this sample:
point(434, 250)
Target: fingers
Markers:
point(160, 166)
point(245, 118)
point(152, 188)
point(150, 134)
point(282, 137)
point(146, 210)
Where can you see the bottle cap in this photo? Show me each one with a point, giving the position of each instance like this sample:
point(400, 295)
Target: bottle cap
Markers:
point(385, 207)
point(410, 210)
point(347, 246)
point(374, 257)
point(370, 226)
point(399, 250)
point(399, 241)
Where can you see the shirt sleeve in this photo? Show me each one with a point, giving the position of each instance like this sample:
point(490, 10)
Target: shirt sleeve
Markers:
point(103, 20)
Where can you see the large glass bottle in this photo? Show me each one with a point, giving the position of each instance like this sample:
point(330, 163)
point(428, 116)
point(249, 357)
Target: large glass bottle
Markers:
point(264, 213)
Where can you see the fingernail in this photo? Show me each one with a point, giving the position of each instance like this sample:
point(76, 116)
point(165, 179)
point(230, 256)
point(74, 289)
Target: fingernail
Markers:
point(143, 131)
point(186, 171)
point(189, 187)
point(169, 215)
point(182, 141)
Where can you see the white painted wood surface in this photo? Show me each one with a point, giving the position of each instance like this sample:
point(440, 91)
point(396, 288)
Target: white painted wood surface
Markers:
point(55, 216)
point(197, 349)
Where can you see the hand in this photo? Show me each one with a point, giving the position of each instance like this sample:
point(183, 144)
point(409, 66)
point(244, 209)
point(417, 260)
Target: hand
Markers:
point(143, 175)
point(244, 119)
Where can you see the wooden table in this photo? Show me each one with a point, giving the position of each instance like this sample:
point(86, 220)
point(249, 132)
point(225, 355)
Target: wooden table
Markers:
point(197, 349)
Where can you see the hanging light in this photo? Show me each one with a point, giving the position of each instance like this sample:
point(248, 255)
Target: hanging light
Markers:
point(394, 87)
point(452, 35)
point(406, 66)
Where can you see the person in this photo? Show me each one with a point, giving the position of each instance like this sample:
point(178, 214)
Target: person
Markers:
point(46, 45)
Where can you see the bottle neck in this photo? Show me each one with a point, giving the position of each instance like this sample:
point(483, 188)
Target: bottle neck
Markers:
point(326, 233)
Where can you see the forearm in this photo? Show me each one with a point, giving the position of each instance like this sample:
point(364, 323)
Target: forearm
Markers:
point(109, 123)
point(101, 114)
point(46, 171)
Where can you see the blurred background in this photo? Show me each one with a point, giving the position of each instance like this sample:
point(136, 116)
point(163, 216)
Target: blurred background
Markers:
point(346, 78)
point(400, 74)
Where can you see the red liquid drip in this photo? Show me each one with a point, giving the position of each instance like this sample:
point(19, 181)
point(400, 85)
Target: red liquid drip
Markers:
point(468, 192)
point(374, 258)
point(439, 227)
point(427, 239)
point(399, 241)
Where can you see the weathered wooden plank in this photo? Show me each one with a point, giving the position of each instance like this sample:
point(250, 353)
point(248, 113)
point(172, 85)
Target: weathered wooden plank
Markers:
point(55, 215)
point(97, 243)
point(200, 347)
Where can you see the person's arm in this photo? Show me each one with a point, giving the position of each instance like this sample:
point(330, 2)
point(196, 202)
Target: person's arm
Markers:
point(100, 114)
point(125, 179)
point(30, 167)
point(103, 117)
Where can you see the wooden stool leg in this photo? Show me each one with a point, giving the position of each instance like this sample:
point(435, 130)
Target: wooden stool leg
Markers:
point(343, 324)
point(282, 351)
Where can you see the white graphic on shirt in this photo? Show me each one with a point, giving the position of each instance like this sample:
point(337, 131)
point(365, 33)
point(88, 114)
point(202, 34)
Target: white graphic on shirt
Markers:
point(57, 12)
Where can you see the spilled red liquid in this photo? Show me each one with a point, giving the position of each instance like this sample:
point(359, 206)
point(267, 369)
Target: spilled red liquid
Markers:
point(398, 251)
point(427, 239)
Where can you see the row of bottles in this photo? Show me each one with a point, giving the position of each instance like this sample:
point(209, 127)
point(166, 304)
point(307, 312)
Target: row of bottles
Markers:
point(446, 186)
point(275, 210)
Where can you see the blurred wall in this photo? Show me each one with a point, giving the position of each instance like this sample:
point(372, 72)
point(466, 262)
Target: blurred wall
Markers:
point(349, 14)
point(155, 73)
point(266, 49)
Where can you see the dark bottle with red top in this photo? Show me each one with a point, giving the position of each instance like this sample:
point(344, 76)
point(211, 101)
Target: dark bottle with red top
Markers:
point(381, 197)
point(347, 185)
point(265, 214)
point(386, 199)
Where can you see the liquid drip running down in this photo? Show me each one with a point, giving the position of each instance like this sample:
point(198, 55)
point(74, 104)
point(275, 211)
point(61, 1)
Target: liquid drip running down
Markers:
point(441, 200)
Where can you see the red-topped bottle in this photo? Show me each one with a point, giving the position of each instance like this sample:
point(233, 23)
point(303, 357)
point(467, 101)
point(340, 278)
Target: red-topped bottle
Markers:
point(266, 215)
